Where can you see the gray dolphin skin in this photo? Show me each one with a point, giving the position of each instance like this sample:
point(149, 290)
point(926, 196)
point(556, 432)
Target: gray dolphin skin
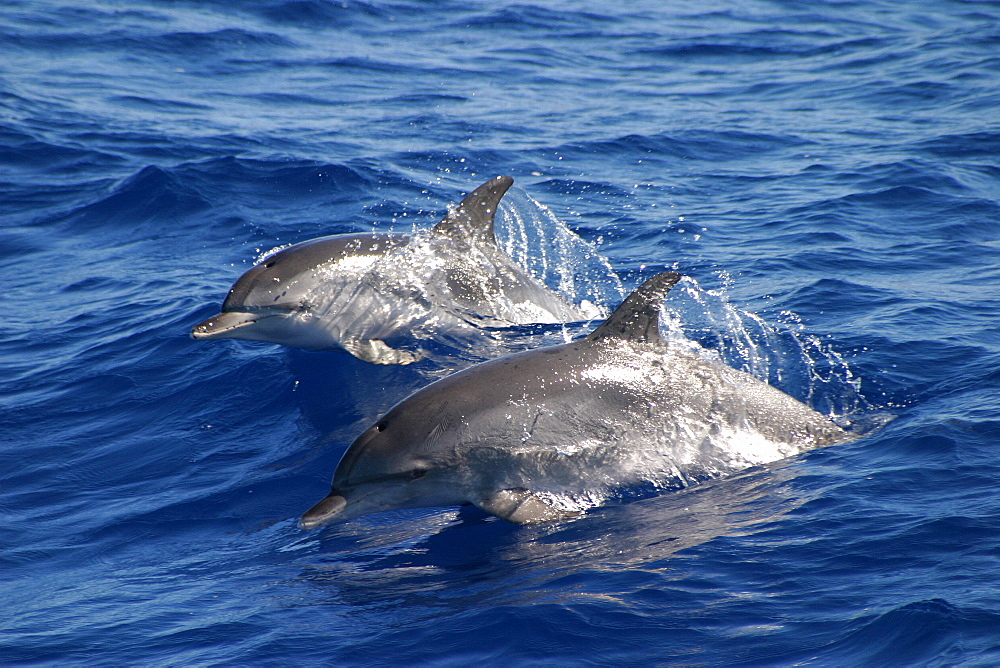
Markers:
point(353, 291)
point(542, 435)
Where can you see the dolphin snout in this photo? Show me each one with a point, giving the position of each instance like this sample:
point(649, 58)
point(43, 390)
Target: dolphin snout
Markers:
point(323, 512)
point(219, 325)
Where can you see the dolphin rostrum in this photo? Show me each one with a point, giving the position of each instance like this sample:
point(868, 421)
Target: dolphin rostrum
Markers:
point(543, 434)
point(353, 291)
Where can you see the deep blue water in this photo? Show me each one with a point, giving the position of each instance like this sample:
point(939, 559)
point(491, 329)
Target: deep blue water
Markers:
point(827, 173)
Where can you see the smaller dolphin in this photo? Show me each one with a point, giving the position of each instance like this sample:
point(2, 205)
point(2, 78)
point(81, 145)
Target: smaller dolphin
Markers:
point(353, 291)
point(540, 435)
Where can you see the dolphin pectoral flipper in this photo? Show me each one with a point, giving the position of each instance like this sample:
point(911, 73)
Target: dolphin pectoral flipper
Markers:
point(377, 352)
point(472, 219)
point(522, 507)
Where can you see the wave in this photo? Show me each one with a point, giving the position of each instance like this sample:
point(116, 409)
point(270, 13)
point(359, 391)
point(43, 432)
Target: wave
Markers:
point(913, 632)
point(708, 145)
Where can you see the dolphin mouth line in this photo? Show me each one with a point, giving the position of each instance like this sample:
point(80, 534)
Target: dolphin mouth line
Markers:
point(228, 321)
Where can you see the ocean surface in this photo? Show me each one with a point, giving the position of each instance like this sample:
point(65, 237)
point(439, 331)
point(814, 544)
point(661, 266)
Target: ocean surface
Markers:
point(826, 175)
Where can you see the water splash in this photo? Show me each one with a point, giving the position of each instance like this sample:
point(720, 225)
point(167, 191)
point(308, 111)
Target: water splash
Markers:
point(784, 355)
point(538, 241)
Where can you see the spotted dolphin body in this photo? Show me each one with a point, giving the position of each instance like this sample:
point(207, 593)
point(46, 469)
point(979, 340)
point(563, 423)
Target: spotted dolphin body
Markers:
point(353, 291)
point(540, 435)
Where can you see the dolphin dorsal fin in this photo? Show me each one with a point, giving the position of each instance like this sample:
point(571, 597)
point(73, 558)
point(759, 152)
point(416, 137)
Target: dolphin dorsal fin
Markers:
point(638, 316)
point(472, 219)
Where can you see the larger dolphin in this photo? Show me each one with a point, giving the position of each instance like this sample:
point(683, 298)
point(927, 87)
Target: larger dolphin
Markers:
point(353, 291)
point(540, 435)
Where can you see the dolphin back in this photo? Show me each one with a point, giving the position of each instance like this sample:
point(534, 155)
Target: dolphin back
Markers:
point(261, 284)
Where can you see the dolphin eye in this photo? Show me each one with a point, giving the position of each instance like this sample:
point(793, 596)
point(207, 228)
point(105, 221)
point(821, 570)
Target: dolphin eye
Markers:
point(381, 426)
point(416, 474)
point(269, 264)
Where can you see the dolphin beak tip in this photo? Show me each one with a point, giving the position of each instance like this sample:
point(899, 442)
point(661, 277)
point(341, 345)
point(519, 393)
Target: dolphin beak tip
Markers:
point(323, 512)
point(201, 331)
point(206, 329)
